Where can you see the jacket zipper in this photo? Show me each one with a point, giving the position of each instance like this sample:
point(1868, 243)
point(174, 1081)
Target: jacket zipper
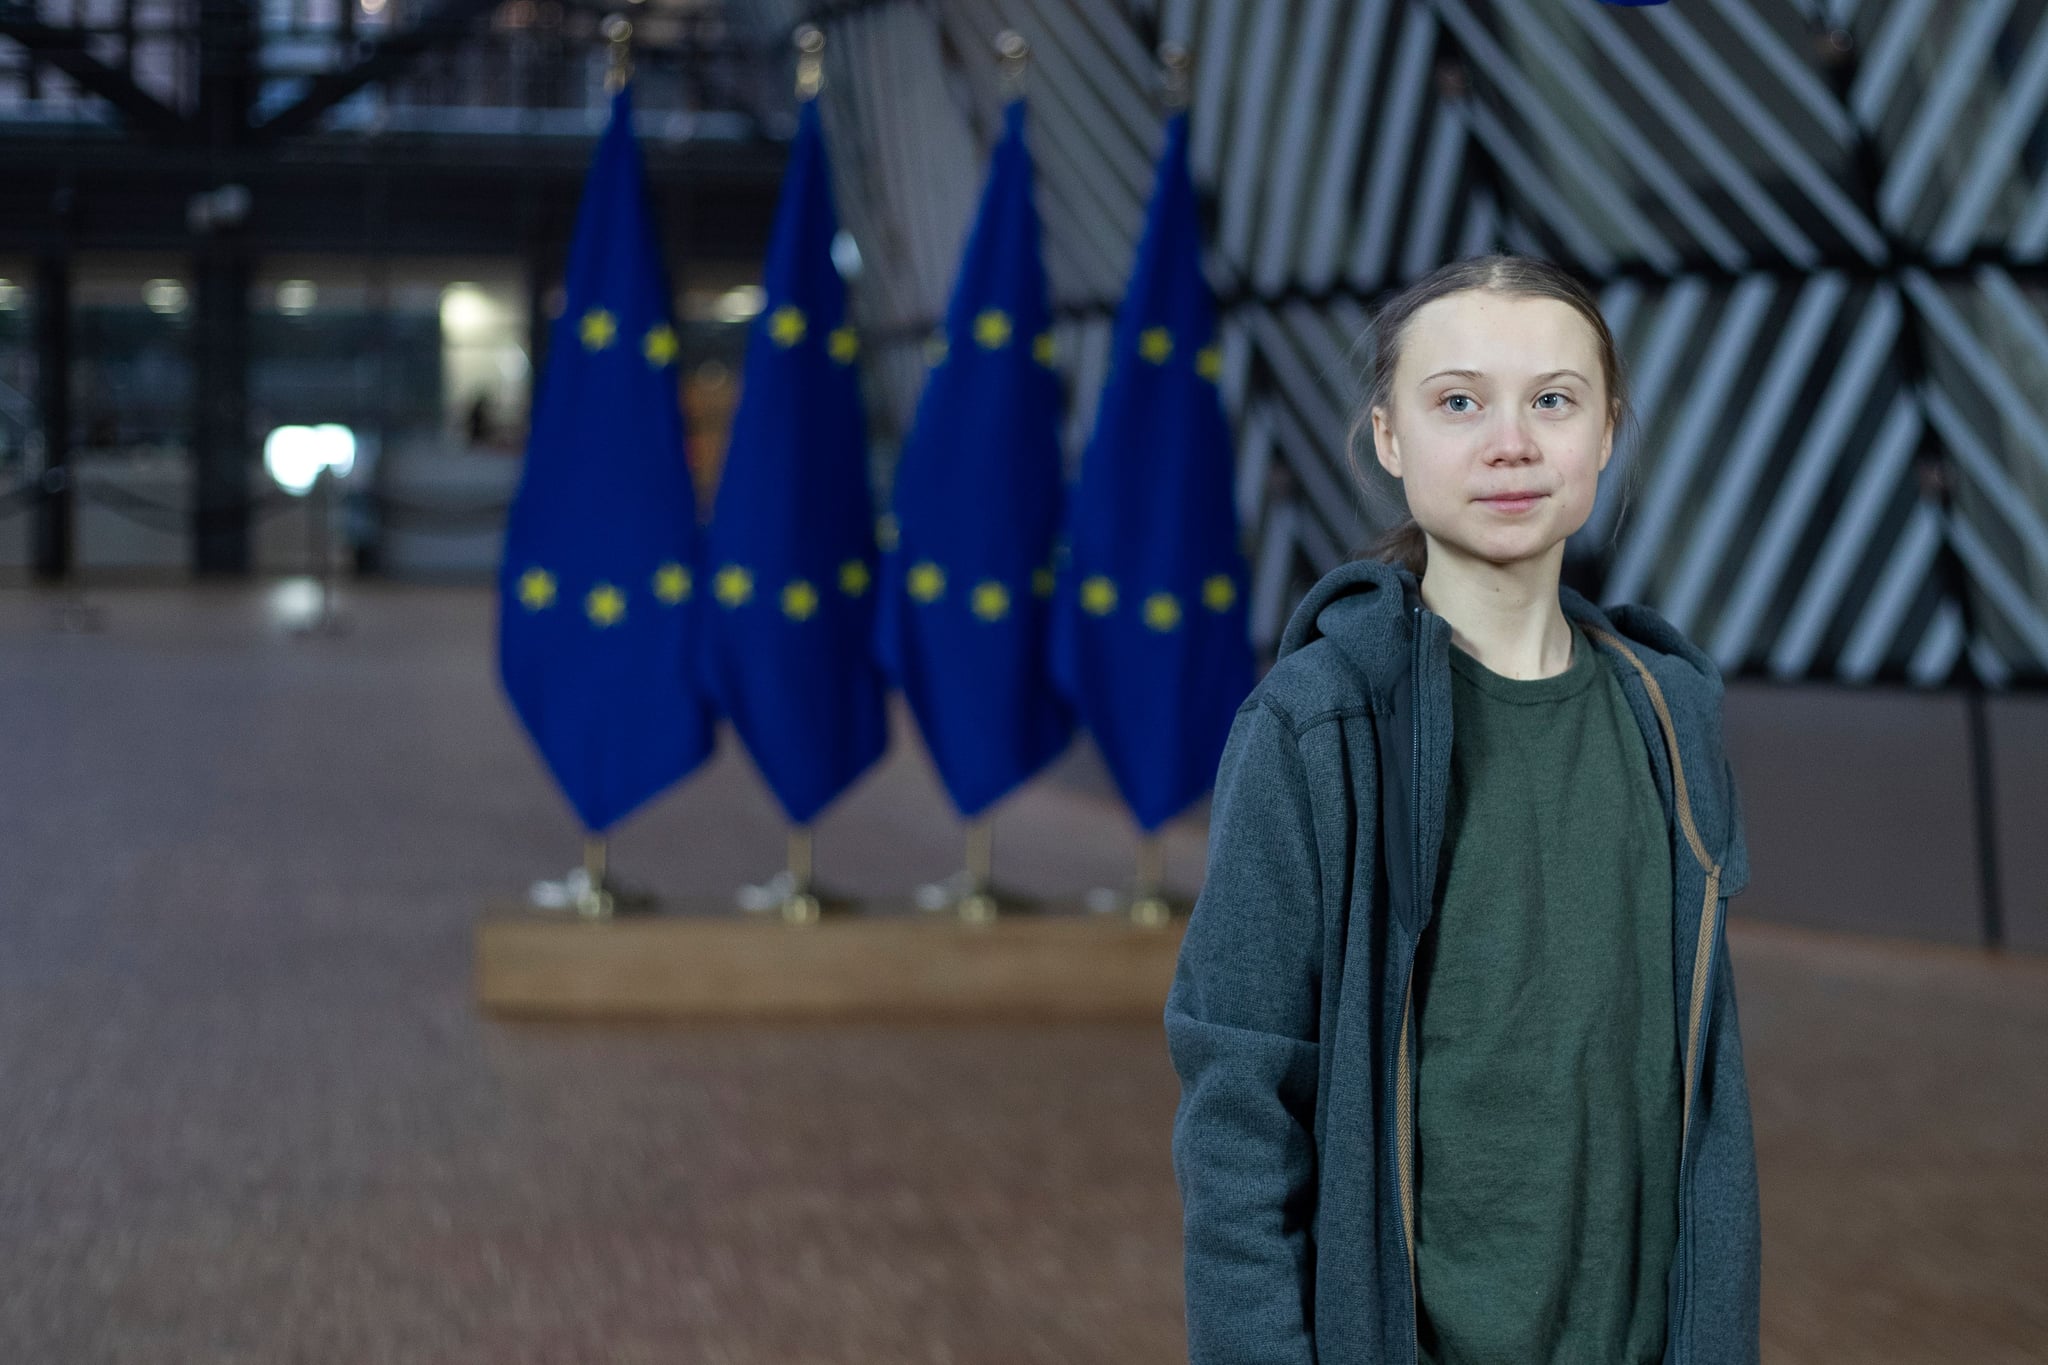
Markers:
point(1404, 1109)
point(1702, 979)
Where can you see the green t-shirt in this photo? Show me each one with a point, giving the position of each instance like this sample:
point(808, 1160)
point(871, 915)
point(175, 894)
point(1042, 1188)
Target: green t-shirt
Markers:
point(1547, 1072)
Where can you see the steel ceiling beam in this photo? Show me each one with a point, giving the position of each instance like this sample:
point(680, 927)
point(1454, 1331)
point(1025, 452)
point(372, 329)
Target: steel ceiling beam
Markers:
point(64, 49)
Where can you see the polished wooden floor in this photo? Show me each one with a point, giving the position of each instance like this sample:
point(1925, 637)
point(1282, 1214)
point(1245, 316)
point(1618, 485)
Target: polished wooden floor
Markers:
point(249, 1112)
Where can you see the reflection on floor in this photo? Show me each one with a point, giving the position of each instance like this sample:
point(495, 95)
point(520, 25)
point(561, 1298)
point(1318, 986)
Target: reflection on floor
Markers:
point(251, 1116)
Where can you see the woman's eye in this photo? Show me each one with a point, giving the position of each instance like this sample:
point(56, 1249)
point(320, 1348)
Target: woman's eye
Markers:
point(1457, 398)
point(1554, 394)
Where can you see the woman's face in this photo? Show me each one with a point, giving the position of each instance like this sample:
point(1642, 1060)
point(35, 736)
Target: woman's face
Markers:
point(1496, 395)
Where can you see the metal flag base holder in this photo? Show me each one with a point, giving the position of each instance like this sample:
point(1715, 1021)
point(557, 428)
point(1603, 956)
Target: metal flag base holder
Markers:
point(791, 891)
point(1146, 900)
point(970, 892)
point(589, 890)
point(326, 620)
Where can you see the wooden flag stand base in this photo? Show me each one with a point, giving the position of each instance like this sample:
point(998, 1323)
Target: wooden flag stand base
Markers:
point(708, 963)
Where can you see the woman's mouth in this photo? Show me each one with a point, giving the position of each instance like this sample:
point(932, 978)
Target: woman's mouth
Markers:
point(1517, 502)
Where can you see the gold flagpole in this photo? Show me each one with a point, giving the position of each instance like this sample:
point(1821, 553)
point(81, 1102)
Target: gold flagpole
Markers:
point(1149, 906)
point(978, 906)
point(977, 903)
point(618, 31)
point(1178, 64)
point(801, 905)
point(1015, 55)
point(595, 900)
point(810, 61)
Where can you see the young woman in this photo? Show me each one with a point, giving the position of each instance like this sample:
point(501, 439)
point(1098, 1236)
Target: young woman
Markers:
point(1456, 1031)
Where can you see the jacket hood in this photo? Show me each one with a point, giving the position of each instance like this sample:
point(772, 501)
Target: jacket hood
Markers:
point(1365, 608)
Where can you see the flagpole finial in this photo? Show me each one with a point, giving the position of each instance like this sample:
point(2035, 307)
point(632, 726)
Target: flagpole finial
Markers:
point(810, 61)
point(1179, 65)
point(1015, 55)
point(618, 31)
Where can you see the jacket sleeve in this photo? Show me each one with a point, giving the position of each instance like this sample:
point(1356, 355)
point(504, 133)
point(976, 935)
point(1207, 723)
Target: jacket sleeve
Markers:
point(1728, 1248)
point(1728, 1243)
point(1241, 1025)
point(1734, 858)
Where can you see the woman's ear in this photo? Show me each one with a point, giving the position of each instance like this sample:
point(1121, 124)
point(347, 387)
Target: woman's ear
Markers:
point(1383, 447)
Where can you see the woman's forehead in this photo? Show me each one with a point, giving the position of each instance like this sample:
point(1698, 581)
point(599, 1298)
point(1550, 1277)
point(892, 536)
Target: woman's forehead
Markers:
point(1499, 335)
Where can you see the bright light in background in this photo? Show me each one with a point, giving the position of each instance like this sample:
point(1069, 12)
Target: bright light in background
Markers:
point(294, 456)
point(467, 313)
point(741, 303)
point(164, 296)
point(846, 255)
point(373, 6)
point(292, 601)
point(295, 298)
point(10, 296)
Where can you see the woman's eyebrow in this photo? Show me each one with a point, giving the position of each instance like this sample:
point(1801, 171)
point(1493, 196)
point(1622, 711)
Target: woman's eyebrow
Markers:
point(1481, 374)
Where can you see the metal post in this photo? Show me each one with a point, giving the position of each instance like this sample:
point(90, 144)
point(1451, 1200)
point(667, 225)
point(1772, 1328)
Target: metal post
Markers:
point(326, 619)
point(227, 86)
point(220, 409)
point(53, 524)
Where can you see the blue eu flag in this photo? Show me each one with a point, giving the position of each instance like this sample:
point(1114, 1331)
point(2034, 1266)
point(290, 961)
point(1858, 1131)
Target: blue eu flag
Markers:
point(791, 554)
point(595, 623)
point(967, 576)
point(1151, 638)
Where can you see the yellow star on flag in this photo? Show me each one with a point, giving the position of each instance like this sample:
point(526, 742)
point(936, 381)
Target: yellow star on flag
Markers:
point(854, 578)
point(1155, 344)
point(935, 349)
point(605, 605)
point(991, 600)
point(536, 589)
point(992, 329)
point(1162, 612)
point(598, 328)
point(786, 325)
point(1042, 581)
point(1209, 362)
point(927, 581)
point(671, 583)
point(1218, 592)
point(660, 345)
point(1098, 596)
point(842, 345)
point(1042, 349)
point(799, 600)
point(732, 585)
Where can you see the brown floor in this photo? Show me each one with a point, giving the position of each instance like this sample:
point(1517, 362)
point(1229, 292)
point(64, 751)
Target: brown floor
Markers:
point(248, 1114)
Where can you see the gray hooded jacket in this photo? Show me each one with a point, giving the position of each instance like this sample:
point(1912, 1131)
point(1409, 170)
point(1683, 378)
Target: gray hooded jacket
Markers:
point(1289, 1020)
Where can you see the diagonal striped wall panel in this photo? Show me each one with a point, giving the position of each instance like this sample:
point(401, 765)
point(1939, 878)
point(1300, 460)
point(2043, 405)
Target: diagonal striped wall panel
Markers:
point(1818, 228)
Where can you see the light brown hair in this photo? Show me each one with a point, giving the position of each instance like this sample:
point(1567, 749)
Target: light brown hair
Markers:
point(1508, 275)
